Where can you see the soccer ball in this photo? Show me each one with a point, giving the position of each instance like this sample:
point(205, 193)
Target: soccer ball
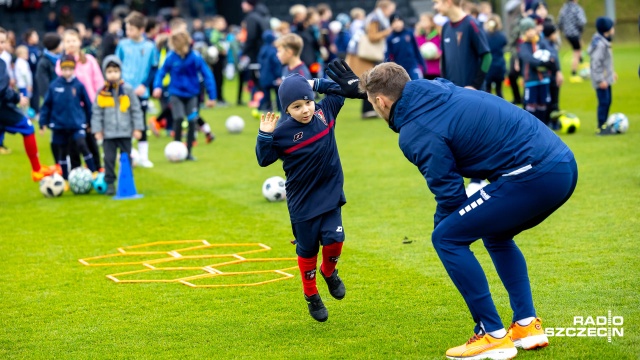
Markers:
point(80, 180)
point(52, 186)
point(429, 50)
point(584, 71)
point(213, 53)
point(135, 157)
point(99, 185)
point(175, 151)
point(273, 189)
point(569, 123)
point(335, 27)
point(234, 124)
point(618, 123)
point(542, 55)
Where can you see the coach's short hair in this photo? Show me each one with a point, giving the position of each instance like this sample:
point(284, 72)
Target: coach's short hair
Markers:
point(136, 19)
point(291, 41)
point(386, 79)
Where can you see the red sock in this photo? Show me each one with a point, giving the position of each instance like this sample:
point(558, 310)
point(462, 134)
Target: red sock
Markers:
point(307, 268)
point(31, 148)
point(330, 255)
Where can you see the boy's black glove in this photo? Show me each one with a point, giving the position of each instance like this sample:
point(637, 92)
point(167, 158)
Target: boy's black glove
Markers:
point(342, 74)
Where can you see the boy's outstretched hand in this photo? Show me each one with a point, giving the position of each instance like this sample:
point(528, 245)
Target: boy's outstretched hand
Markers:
point(349, 82)
point(157, 92)
point(268, 122)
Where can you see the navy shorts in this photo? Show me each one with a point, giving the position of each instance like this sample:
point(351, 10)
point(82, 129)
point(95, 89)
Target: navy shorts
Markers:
point(324, 229)
point(24, 127)
point(62, 137)
point(537, 95)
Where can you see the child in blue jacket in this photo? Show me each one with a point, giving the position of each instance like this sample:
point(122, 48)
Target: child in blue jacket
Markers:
point(67, 111)
point(270, 71)
point(185, 65)
point(402, 49)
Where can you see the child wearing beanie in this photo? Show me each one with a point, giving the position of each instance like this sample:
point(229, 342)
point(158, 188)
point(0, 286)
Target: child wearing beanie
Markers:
point(602, 74)
point(305, 141)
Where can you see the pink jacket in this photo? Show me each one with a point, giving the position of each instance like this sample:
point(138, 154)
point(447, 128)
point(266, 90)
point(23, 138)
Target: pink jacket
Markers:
point(433, 66)
point(89, 74)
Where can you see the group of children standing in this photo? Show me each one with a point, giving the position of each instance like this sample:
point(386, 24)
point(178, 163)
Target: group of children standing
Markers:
point(87, 106)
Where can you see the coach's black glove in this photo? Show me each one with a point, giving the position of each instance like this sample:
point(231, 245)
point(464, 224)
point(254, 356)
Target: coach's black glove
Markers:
point(342, 74)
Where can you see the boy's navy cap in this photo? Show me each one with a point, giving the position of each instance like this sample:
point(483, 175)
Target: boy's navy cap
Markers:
point(294, 87)
point(603, 24)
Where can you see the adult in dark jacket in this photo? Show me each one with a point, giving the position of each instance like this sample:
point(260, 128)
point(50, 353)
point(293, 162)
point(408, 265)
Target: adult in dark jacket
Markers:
point(451, 133)
point(257, 21)
point(67, 112)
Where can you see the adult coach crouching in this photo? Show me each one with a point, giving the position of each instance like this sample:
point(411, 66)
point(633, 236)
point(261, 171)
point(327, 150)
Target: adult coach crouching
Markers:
point(451, 133)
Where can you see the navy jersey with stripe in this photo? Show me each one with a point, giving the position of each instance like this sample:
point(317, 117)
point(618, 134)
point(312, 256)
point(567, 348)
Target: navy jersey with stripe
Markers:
point(310, 158)
point(463, 45)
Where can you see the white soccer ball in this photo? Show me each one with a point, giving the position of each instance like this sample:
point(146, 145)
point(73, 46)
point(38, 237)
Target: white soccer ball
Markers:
point(542, 55)
point(175, 151)
point(213, 53)
point(135, 157)
point(335, 26)
point(234, 124)
point(80, 180)
point(52, 186)
point(429, 51)
point(584, 72)
point(273, 189)
point(618, 122)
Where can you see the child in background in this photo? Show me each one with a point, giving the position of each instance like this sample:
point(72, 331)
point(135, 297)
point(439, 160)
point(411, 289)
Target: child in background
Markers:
point(270, 71)
point(24, 77)
point(184, 65)
point(67, 111)
point(315, 181)
point(551, 43)
point(46, 73)
point(13, 120)
point(571, 22)
point(116, 117)
point(88, 72)
point(343, 37)
point(289, 48)
point(484, 12)
point(217, 38)
point(139, 64)
point(535, 71)
point(428, 31)
point(497, 41)
point(602, 73)
point(403, 49)
point(35, 52)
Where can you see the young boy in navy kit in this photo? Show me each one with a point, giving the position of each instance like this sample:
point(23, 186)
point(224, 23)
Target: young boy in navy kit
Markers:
point(402, 49)
point(67, 112)
point(305, 141)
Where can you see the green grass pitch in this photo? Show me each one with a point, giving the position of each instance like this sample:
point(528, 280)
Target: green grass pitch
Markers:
point(583, 260)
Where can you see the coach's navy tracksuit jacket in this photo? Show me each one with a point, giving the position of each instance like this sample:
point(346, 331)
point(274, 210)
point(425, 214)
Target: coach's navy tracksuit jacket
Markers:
point(310, 158)
point(451, 133)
